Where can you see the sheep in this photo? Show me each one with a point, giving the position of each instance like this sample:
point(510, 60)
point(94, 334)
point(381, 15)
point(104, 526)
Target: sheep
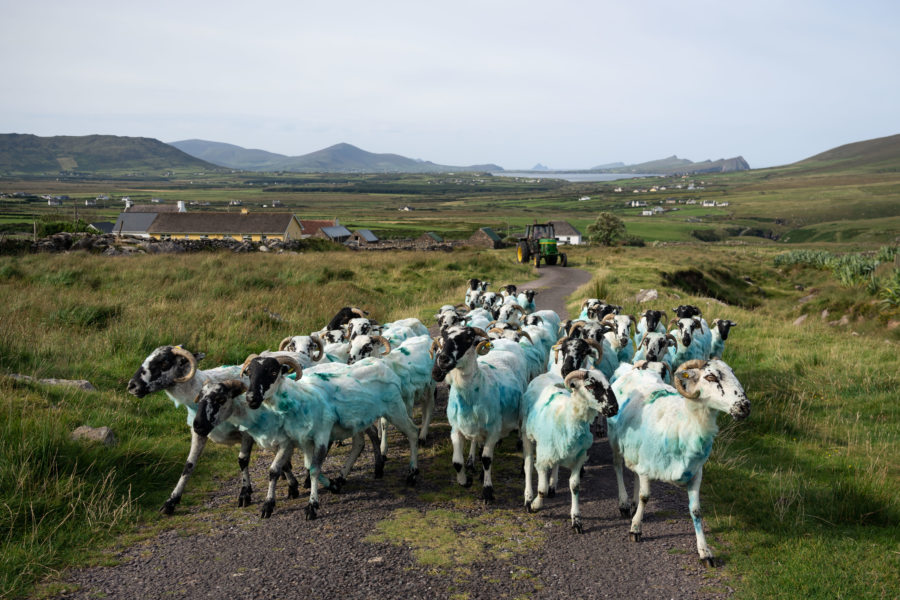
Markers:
point(508, 291)
point(308, 349)
point(412, 361)
point(534, 354)
point(686, 311)
point(619, 337)
point(608, 362)
point(556, 416)
point(343, 316)
point(403, 329)
point(693, 340)
point(526, 300)
point(666, 433)
point(547, 318)
point(486, 389)
point(491, 301)
point(719, 333)
point(655, 347)
point(449, 315)
point(651, 320)
point(479, 317)
point(509, 313)
point(360, 394)
point(174, 370)
point(476, 288)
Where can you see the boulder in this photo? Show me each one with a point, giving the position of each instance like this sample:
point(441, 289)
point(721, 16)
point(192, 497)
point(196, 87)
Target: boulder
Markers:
point(799, 320)
point(104, 435)
point(646, 296)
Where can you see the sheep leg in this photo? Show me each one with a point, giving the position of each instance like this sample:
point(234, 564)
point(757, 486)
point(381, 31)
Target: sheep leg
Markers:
point(281, 457)
point(244, 464)
point(197, 444)
point(399, 418)
point(427, 410)
point(706, 555)
point(542, 487)
point(372, 432)
point(642, 487)
point(359, 443)
point(626, 508)
point(288, 473)
point(382, 431)
point(574, 490)
point(528, 451)
point(487, 459)
point(462, 477)
point(554, 481)
point(317, 451)
point(473, 452)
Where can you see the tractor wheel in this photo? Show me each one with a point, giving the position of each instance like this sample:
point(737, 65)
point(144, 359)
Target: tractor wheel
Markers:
point(551, 260)
point(523, 253)
point(564, 260)
point(537, 261)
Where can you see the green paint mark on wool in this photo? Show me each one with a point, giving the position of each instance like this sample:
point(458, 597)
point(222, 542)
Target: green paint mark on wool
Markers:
point(404, 351)
point(658, 394)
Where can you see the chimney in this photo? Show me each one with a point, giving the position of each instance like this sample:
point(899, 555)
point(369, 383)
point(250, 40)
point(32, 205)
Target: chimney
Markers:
point(181, 207)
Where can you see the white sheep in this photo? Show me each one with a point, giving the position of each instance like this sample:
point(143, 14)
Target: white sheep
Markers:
point(666, 433)
point(619, 336)
point(693, 340)
point(526, 300)
point(556, 416)
point(719, 333)
point(486, 389)
point(651, 320)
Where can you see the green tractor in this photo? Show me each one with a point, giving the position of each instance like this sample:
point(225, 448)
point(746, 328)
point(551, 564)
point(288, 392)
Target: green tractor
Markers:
point(539, 244)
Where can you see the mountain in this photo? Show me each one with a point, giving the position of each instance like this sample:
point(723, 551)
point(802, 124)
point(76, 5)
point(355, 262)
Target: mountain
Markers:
point(879, 155)
point(673, 165)
point(30, 154)
point(540, 167)
point(338, 158)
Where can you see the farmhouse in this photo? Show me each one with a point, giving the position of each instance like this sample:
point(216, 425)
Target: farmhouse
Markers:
point(312, 226)
point(362, 237)
point(136, 224)
point(485, 238)
point(244, 226)
point(566, 233)
point(155, 208)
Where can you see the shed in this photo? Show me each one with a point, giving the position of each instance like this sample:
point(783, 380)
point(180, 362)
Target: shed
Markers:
point(338, 234)
point(429, 237)
point(485, 237)
point(102, 226)
point(361, 237)
point(312, 226)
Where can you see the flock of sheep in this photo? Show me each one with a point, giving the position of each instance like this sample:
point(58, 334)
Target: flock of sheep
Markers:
point(510, 367)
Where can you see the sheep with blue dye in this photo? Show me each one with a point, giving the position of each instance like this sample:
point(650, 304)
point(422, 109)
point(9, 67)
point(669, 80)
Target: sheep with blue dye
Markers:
point(173, 369)
point(556, 419)
point(650, 321)
point(693, 340)
point(666, 433)
point(486, 389)
point(719, 333)
point(525, 299)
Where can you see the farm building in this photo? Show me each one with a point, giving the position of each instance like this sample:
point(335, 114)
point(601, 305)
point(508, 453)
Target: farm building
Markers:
point(485, 238)
point(338, 234)
point(312, 226)
point(237, 226)
point(136, 224)
point(102, 227)
point(362, 237)
point(566, 233)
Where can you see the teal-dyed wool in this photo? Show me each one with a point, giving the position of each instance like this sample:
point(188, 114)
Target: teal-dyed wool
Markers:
point(557, 421)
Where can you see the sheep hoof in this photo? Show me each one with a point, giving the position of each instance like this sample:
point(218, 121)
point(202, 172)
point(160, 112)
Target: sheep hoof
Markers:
point(244, 496)
point(576, 525)
point(625, 512)
point(335, 485)
point(267, 507)
point(551, 492)
point(311, 511)
point(709, 562)
point(468, 482)
point(635, 536)
point(470, 465)
point(528, 506)
point(306, 482)
point(487, 494)
point(412, 477)
point(168, 507)
point(379, 469)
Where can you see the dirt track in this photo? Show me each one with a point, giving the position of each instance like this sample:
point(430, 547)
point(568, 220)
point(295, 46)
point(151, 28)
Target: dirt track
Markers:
point(231, 553)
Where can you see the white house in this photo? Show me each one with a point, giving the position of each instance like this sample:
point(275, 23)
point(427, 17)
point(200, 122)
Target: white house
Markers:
point(565, 233)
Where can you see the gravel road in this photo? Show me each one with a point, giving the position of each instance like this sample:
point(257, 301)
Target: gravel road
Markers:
point(220, 551)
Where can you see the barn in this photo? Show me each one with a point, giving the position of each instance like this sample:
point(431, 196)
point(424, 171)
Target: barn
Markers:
point(485, 237)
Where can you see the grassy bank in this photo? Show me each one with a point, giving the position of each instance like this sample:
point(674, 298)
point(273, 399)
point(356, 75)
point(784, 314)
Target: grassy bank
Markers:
point(88, 317)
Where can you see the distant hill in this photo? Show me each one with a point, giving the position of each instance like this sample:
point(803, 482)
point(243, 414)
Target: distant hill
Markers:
point(338, 158)
point(879, 155)
point(673, 165)
point(30, 154)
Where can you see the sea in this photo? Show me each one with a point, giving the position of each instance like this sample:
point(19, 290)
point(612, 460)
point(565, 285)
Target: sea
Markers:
point(577, 176)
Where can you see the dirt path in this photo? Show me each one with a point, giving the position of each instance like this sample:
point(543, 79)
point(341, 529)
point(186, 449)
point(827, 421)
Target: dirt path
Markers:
point(464, 550)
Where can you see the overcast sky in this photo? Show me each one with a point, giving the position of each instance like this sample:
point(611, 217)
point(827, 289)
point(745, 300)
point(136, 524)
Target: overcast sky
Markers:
point(564, 83)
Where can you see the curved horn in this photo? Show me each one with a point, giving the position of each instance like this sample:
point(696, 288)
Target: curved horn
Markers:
point(539, 318)
point(573, 376)
point(179, 351)
point(583, 304)
point(319, 346)
point(675, 321)
point(235, 383)
point(359, 311)
point(483, 347)
point(292, 363)
point(247, 363)
point(384, 342)
point(696, 363)
point(574, 327)
point(679, 385)
point(671, 337)
point(491, 324)
point(480, 331)
point(439, 342)
point(666, 367)
point(519, 308)
point(525, 335)
point(284, 343)
point(608, 317)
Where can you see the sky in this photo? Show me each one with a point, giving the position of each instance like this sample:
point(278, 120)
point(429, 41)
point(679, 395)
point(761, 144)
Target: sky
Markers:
point(568, 84)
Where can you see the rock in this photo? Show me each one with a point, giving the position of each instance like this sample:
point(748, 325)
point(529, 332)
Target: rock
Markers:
point(646, 296)
point(263, 248)
point(104, 435)
point(893, 325)
point(799, 287)
point(824, 314)
point(82, 384)
point(799, 321)
point(845, 320)
point(806, 299)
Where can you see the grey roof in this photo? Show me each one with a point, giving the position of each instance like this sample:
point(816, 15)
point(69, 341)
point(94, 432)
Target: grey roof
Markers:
point(338, 231)
point(367, 235)
point(433, 236)
point(134, 222)
point(564, 228)
point(103, 226)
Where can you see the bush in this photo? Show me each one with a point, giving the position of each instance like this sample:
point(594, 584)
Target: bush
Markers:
point(707, 235)
point(633, 240)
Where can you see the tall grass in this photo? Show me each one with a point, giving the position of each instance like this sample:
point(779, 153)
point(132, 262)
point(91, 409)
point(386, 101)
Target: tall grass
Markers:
point(80, 316)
